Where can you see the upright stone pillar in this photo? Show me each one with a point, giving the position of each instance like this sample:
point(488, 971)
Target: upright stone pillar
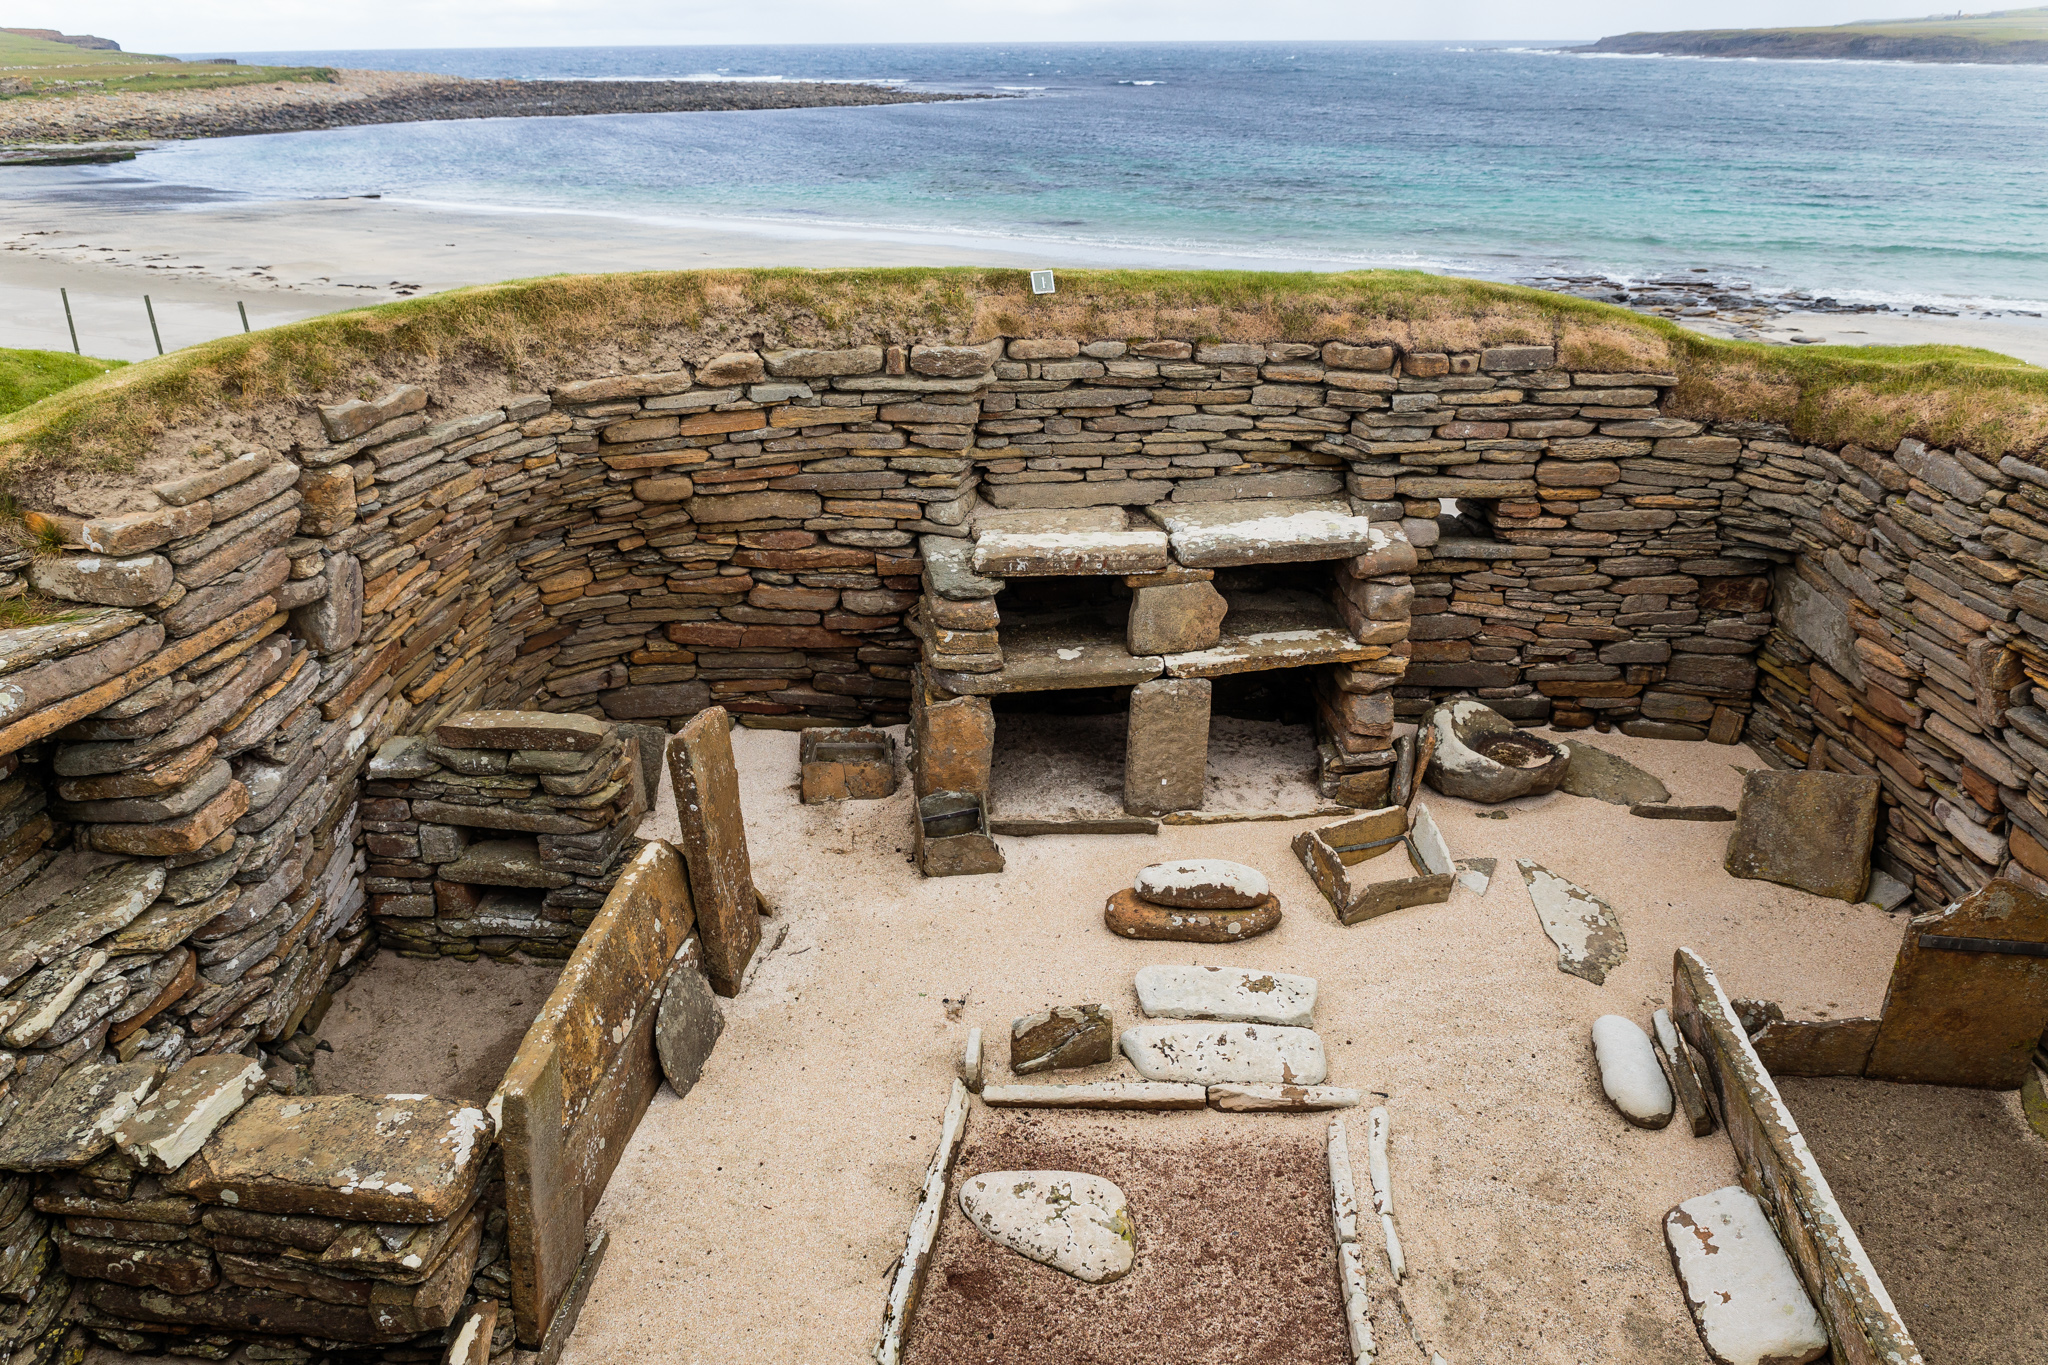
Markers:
point(1166, 754)
point(714, 846)
point(953, 742)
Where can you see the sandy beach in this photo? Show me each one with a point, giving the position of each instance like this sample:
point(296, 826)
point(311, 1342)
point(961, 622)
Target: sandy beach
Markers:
point(1530, 1209)
point(109, 237)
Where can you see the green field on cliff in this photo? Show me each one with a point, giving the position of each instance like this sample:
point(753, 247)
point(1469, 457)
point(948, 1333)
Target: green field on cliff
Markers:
point(1996, 36)
point(34, 66)
point(26, 376)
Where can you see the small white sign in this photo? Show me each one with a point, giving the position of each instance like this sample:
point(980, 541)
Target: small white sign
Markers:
point(1041, 282)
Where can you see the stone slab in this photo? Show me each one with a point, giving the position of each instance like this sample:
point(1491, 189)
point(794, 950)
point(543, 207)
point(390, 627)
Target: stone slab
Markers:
point(1280, 1099)
point(1038, 521)
point(186, 1110)
point(1216, 1053)
point(544, 730)
point(1278, 630)
point(1130, 916)
point(689, 1022)
point(1863, 1326)
point(1630, 1073)
point(1044, 658)
point(1809, 830)
point(949, 570)
point(1816, 1047)
point(1202, 884)
point(363, 1158)
point(584, 1073)
point(1166, 746)
point(1233, 994)
point(1061, 1038)
point(714, 846)
point(1585, 928)
point(75, 1121)
point(1170, 618)
point(1139, 1095)
point(1955, 1014)
point(1078, 1224)
point(1267, 531)
point(1744, 1296)
point(1601, 776)
point(1054, 553)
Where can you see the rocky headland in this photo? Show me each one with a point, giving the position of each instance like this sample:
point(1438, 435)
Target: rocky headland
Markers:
point(2007, 37)
point(355, 98)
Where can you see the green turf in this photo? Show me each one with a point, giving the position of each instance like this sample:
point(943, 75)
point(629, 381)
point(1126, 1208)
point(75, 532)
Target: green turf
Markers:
point(32, 68)
point(26, 376)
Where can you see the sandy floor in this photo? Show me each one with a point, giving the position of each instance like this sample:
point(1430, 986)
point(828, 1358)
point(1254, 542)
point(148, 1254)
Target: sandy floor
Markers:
point(409, 1026)
point(1057, 767)
point(110, 236)
point(1530, 1208)
point(1235, 1264)
point(1945, 1188)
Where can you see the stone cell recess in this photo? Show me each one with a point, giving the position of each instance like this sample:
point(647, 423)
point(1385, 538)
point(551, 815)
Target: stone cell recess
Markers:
point(219, 784)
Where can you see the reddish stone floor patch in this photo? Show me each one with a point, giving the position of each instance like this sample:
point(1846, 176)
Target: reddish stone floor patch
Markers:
point(1235, 1264)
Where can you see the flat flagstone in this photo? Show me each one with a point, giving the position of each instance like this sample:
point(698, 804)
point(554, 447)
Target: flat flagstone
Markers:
point(1585, 928)
point(103, 900)
point(1277, 630)
point(193, 1101)
point(1280, 1099)
point(1142, 1095)
point(1048, 553)
point(1602, 776)
point(1215, 1053)
point(75, 1122)
point(1266, 531)
point(1036, 658)
point(1745, 1297)
point(1227, 993)
point(1078, 1224)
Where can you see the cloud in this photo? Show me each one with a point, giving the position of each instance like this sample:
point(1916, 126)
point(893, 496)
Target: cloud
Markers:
point(283, 25)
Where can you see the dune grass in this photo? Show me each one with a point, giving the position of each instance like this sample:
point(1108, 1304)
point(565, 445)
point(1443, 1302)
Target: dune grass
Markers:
point(26, 376)
point(537, 333)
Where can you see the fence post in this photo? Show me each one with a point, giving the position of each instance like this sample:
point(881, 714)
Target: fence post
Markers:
point(243, 309)
point(65, 294)
point(154, 334)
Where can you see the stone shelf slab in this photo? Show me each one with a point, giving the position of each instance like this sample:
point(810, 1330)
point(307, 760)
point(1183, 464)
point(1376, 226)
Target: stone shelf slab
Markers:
point(1050, 553)
point(1044, 658)
point(1273, 630)
point(1267, 531)
point(1233, 994)
point(1214, 1053)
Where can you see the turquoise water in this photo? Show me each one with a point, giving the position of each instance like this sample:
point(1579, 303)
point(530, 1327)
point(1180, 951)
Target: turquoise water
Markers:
point(1872, 182)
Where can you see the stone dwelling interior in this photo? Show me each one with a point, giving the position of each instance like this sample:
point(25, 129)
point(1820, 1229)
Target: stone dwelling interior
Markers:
point(466, 851)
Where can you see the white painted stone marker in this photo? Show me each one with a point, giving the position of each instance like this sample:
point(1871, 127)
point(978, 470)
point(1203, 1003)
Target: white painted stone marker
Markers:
point(1215, 1054)
point(1629, 1072)
point(1078, 1224)
point(1745, 1297)
point(1232, 993)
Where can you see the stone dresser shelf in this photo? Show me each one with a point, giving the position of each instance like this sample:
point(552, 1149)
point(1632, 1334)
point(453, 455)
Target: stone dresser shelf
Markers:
point(1273, 630)
point(1208, 535)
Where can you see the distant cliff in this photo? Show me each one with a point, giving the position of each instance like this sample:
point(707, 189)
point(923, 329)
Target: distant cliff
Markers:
point(50, 35)
point(2006, 37)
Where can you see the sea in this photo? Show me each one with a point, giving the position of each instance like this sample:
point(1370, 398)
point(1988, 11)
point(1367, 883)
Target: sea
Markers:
point(1875, 183)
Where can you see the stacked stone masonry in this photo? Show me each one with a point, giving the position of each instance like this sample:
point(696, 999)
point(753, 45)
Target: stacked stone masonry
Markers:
point(227, 769)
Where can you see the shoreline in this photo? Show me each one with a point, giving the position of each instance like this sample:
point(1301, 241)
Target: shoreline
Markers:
point(197, 257)
point(361, 98)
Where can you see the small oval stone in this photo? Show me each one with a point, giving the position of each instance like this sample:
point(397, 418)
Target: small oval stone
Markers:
point(1203, 884)
point(1129, 917)
point(1629, 1072)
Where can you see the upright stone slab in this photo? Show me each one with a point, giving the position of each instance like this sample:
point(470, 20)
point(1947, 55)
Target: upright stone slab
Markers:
point(1166, 750)
point(584, 1074)
point(1173, 617)
point(714, 846)
point(689, 1022)
point(954, 741)
point(1968, 997)
point(1808, 830)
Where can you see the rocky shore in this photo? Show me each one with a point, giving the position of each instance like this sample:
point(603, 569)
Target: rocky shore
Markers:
point(356, 98)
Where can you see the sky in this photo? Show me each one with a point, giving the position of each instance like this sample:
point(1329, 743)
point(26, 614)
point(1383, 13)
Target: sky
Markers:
point(196, 26)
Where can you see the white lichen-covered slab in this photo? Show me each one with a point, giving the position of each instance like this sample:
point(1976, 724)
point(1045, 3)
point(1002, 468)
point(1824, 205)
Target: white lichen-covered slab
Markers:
point(1228, 993)
point(1213, 535)
point(1215, 1054)
point(1429, 845)
point(1280, 1099)
point(1745, 1297)
point(1476, 874)
point(1202, 884)
point(1145, 1095)
point(1027, 521)
point(1629, 1072)
point(1286, 629)
point(192, 1102)
point(1078, 1224)
point(1047, 553)
point(1585, 928)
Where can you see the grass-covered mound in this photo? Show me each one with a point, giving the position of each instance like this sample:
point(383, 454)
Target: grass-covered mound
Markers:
point(537, 333)
point(35, 67)
point(26, 376)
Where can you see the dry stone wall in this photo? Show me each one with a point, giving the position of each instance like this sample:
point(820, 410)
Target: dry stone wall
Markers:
point(193, 830)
